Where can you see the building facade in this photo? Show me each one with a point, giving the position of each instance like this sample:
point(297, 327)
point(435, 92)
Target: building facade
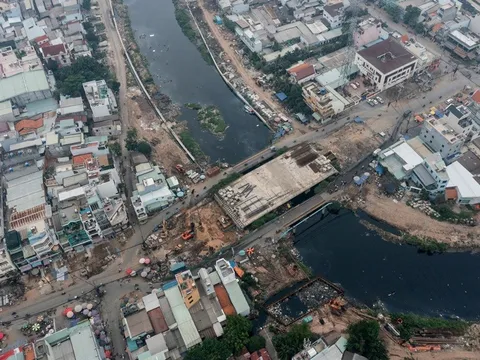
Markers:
point(386, 64)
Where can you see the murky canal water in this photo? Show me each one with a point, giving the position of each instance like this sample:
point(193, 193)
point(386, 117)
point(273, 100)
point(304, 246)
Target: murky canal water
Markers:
point(342, 250)
point(181, 73)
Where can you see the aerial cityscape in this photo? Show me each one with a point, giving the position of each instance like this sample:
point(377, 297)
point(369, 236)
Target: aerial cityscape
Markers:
point(239, 179)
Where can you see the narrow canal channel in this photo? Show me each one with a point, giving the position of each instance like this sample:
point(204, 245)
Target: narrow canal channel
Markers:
point(181, 73)
point(369, 268)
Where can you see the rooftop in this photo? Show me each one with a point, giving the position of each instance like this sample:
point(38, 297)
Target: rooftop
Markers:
point(301, 71)
point(469, 39)
point(387, 55)
point(463, 180)
point(399, 159)
point(25, 126)
point(138, 324)
point(334, 9)
point(273, 184)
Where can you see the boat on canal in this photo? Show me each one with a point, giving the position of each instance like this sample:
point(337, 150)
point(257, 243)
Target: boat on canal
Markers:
point(249, 110)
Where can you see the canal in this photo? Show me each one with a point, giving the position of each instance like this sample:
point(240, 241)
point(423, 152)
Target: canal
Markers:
point(181, 73)
point(369, 268)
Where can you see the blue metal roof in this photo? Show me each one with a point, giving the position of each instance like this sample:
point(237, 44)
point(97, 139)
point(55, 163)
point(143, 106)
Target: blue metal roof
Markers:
point(281, 96)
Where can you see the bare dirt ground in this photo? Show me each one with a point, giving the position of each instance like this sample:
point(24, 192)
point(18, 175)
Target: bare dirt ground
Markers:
point(411, 220)
point(362, 140)
point(142, 117)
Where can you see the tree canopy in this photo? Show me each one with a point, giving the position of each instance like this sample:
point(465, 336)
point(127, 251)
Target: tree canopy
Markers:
point(115, 148)
point(291, 343)
point(145, 148)
point(363, 338)
point(411, 15)
point(131, 141)
point(70, 78)
point(255, 343)
point(237, 332)
point(209, 349)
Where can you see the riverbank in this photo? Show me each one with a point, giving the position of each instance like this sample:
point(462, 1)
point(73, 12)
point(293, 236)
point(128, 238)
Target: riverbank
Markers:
point(417, 225)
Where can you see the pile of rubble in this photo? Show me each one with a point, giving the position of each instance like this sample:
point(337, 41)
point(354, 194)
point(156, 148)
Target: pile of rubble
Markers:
point(424, 206)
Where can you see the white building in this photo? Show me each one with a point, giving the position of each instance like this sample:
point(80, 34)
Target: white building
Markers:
point(227, 276)
point(334, 14)
point(462, 186)
point(6, 264)
point(386, 63)
point(101, 99)
point(448, 133)
point(70, 105)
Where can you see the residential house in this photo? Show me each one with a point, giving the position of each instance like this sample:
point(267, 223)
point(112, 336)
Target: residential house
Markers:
point(101, 99)
point(324, 101)
point(366, 32)
point(58, 53)
point(334, 14)
point(462, 186)
point(301, 73)
point(463, 43)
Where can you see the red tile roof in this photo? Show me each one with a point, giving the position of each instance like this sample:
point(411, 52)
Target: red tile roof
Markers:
point(80, 159)
point(224, 300)
point(53, 50)
point(41, 38)
point(26, 126)
point(476, 96)
point(301, 71)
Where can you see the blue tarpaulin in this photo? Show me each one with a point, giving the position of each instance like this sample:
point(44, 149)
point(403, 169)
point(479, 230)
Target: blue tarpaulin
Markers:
point(281, 96)
point(438, 114)
point(379, 169)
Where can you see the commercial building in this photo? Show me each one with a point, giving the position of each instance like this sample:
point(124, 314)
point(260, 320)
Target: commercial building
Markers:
point(101, 99)
point(273, 184)
point(22, 80)
point(448, 132)
point(463, 43)
point(386, 63)
point(324, 101)
point(75, 343)
point(6, 264)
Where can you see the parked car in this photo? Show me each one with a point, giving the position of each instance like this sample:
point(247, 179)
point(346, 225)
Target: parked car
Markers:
point(407, 113)
point(370, 102)
point(375, 101)
point(380, 100)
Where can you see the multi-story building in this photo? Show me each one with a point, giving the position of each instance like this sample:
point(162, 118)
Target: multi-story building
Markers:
point(152, 192)
point(6, 264)
point(334, 14)
point(366, 32)
point(463, 43)
point(448, 133)
point(22, 80)
point(101, 99)
point(386, 63)
point(73, 220)
point(227, 277)
point(324, 101)
point(188, 288)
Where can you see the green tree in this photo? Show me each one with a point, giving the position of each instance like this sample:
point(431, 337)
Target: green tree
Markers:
point(229, 24)
point(115, 148)
point(87, 4)
point(52, 65)
point(276, 46)
point(131, 141)
point(395, 11)
point(209, 349)
point(255, 343)
point(290, 343)
point(70, 78)
point(420, 28)
point(237, 333)
point(145, 148)
point(363, 338)
point(411, 15)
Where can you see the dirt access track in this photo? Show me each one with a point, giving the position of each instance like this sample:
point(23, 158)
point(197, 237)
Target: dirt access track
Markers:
point(416, 223)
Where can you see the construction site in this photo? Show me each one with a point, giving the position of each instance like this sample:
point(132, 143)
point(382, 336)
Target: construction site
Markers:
point(273, 184)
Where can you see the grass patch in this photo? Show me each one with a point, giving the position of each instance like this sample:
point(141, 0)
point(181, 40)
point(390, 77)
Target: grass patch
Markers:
point(447, 214)
point(185, 22)
point(262, 221)
point(412, 323)
point(306, 269)
point(428, 245)
point(193, 106)
point(212, 120)
point(191, 144)
point(224, 182)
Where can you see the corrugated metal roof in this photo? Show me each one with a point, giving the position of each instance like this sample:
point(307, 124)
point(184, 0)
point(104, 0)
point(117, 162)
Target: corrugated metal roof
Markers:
point(157, 320)
point(151, 302)
point(167, 312)
point(463, 180)
point(19, 84)
point(237, 298)
point(186, 326)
